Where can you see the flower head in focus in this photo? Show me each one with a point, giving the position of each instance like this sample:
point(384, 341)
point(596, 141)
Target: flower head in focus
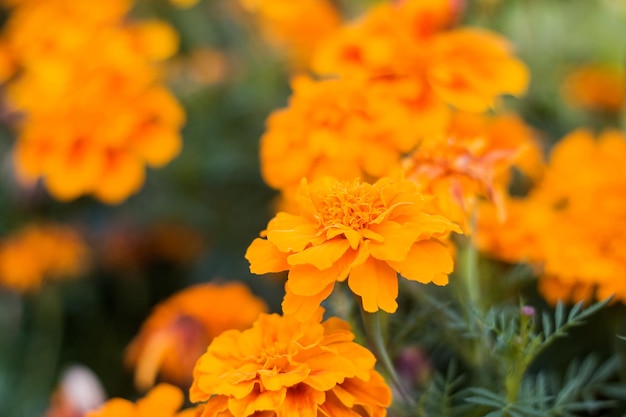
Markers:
point(179, 329)
point(40, 252)
point(355, 231)
point(283, 367)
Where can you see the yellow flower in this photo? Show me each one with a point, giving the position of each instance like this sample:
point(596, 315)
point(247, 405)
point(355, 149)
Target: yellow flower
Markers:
point(365, 233)
point(283, 368)
point(40, 252)
point(179, 329)
point(162, 401)
point(91, 121)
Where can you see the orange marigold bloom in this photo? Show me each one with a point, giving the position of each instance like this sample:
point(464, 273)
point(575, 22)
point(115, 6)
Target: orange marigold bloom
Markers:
point(40, 252)
point(465, 68)
point(283, 368)
point(365, 233)
point(339, 128)
point(580, 201)
point(298, 26)
point(162, 401)
point(179, 329)
point(90, 121)
point(472, 160)
point(596, 87)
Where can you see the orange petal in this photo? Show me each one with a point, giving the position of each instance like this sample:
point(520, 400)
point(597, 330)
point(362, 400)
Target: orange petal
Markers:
point(425, 263)
point(303, 307)
point(290, 233)
point(264, 257)
point(307, 280)
point(377, 284)
point(321, 256)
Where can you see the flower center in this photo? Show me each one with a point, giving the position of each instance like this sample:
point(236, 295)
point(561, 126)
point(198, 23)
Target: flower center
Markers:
point(354, 205)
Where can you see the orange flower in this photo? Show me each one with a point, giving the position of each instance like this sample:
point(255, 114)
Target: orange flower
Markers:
point(596, 87)
point(297, 26)
point(357, 231)
point(39, 252)
point(572, 224)
point(465, 68)
point(180, 328)
point(91, 121)
point(284, 368)
point(472, 160)
point(344, 129)
point(162, 401)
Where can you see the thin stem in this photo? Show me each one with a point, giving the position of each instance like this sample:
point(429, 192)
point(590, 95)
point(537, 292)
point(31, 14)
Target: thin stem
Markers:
point(374, 333)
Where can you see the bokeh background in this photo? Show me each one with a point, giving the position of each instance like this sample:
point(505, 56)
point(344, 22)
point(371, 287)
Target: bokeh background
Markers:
point(193, 219)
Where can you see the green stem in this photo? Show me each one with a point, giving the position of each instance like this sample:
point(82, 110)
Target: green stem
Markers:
point(373, 330)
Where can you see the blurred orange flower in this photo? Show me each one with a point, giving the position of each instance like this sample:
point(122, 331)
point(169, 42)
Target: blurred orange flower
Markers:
point(339, 128)
point(573, 223)
point(297, 26)
point(162, 401)
point(90, 121)
point(40, 252)
point(357, 231)
point(596, 87)
point(473, 160)
point(284, 368)
point(180, 328)
point(464, 68)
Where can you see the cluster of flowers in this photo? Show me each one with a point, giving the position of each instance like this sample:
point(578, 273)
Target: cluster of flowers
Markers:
point(40, 252)
point(94, 139)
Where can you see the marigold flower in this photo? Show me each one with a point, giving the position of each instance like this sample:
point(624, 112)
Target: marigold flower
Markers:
point(339, 128)
point(162, 401)
point(91, 122)
point(465, 68)
point(365, 233)
point(40, 252)
point(596, 87)
point(472, 159)
point(179, 329)
point(298, 26)
point(282, 367)
point(580, 200)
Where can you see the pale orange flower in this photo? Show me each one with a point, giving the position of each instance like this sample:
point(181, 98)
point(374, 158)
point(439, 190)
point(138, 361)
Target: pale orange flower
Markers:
point(472, 160)
point(357, 231)
point(179, 329)
point(162, 401)
point(596, 87)
point(283, 368)
point(40, 252)
point(91, 122)
point(297, 26)
point(464, 68)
